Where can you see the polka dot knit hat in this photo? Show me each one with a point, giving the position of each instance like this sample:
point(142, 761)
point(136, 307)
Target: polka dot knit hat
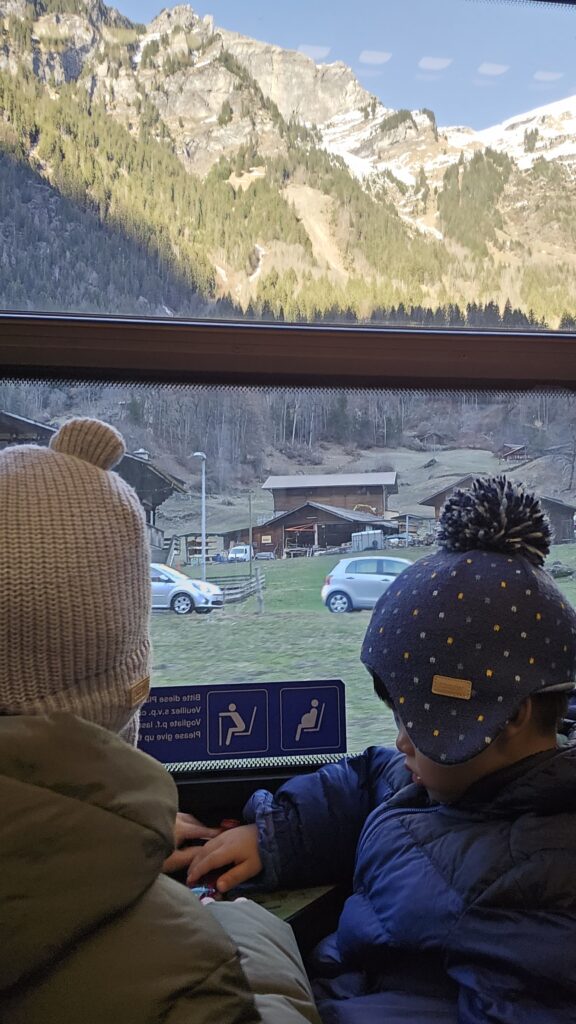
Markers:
point(463, 636)
point(75, 586)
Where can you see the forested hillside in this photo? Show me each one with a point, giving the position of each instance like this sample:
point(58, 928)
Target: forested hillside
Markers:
point(177, 169)
point(250, 433)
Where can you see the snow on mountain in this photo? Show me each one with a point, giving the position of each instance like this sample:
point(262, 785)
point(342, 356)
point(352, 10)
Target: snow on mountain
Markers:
point(376, 138)
point(369, 145)
point(548, 132)
point(346, 134)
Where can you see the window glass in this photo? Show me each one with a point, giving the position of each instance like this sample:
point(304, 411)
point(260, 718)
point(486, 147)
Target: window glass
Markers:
point(365, 565)
point(392, 566)
point(177, 575)
point(417, 446)
point(406, 164)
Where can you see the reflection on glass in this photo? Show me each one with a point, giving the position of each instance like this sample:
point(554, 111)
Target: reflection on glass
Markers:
point(411, 164)
point(337, 491)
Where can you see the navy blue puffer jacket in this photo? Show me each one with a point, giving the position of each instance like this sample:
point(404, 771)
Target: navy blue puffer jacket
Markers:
point(460, 913)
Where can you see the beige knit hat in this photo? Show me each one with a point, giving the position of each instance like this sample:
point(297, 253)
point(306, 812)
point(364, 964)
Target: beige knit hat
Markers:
point(74, 581)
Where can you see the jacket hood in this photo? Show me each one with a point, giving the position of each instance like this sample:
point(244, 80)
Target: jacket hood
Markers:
point(86, 822)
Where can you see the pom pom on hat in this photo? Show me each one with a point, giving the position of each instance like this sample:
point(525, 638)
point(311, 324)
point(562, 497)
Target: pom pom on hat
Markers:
point(90, 440)
point(495, 515)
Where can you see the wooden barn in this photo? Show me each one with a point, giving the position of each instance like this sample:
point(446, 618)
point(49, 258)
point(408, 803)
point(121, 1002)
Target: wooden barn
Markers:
point(560, 513)
point(311, 526)
point(151, 484)
point(439, 497)
point(561, 516)
point(512, 453)
point(363, 492)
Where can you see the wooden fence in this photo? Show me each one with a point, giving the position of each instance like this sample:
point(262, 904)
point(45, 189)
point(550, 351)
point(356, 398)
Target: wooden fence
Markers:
point(240, 588)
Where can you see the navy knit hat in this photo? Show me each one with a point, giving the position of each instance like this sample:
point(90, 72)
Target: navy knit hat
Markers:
point(462, 637)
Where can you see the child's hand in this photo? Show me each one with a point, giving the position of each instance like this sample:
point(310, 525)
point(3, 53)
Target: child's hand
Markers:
point(237, 846)
point(186, 827)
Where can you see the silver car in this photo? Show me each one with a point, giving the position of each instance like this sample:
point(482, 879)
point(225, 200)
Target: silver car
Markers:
point(358, 582)
point(172, 589)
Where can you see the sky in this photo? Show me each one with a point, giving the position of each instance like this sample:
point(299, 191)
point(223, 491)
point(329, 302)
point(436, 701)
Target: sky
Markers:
point(473, 62)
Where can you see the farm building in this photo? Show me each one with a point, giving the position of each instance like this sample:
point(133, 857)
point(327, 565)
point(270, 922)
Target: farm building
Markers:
point(561, 516)
point(439, 497)
point(310, 526)
point(560, 513)
point(512, 453)
point(363, 492)
point(151, 484)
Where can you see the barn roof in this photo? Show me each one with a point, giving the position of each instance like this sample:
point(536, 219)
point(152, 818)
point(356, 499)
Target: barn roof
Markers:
point(557, 501)
point(361, 518)
point(314, 480)
point(341, 513)
point(462, 481)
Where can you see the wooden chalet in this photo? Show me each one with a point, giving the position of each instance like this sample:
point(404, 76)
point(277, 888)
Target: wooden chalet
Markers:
point(310, 527)
point(152, 485)
point(363, 492)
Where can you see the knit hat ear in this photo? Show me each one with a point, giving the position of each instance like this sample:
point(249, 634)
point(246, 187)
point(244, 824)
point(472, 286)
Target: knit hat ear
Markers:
point(91, 440)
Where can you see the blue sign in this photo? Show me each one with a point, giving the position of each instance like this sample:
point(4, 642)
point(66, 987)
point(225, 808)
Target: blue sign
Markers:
point(203, 723)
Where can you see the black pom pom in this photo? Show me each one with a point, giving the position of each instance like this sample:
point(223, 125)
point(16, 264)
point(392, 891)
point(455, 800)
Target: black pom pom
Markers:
point(495, 515)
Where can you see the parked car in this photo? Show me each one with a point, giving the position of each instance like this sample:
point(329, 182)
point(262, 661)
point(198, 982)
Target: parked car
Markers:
point(265, 555)
point(240, 553)
point(172, 589)
point(358, 582)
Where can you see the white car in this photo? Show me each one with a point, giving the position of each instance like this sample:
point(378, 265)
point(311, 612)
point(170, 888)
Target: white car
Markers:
point(172, 589)
point(359, 582)
point(240, 553)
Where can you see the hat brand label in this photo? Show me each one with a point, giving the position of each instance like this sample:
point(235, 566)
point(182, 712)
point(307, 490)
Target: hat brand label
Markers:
point(139, 691)
point(445, 686)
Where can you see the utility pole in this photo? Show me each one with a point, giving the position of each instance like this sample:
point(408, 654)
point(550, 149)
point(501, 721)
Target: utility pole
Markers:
point(202, 455)
point(250, 528)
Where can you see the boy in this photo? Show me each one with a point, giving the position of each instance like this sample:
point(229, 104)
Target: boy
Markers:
point(462, 843)
point(92, 932)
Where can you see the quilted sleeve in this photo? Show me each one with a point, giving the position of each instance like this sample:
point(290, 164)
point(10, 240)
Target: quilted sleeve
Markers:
point(308, 830)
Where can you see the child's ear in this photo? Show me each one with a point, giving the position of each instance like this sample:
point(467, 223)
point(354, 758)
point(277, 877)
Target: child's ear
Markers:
point(519, 721)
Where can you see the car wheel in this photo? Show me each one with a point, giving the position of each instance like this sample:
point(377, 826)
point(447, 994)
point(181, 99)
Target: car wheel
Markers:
point(339, 602)
point(182, 604)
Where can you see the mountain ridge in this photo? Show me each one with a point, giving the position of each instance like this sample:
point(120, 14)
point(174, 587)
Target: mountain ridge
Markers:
point(300, 193)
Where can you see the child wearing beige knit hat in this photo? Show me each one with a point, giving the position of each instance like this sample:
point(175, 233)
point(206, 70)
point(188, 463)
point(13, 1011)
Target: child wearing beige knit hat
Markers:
point(75, 607)
point(92, 930)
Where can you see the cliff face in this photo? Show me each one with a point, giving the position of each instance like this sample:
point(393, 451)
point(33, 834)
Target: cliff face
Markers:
point(312, 93)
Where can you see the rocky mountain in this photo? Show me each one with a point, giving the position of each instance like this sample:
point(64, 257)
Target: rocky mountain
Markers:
point(262, 178)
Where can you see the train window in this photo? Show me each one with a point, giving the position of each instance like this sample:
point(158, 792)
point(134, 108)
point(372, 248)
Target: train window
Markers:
point(408, 164)
point(372, 216)
point(314, 503)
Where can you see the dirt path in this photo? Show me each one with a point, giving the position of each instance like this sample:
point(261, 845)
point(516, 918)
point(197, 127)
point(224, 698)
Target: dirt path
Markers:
point(314, 210)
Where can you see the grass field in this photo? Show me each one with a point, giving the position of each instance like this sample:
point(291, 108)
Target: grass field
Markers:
point(294, 638)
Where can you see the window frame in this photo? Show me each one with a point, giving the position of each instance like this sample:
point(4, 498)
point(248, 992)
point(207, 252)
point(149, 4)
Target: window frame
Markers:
point(282, 355)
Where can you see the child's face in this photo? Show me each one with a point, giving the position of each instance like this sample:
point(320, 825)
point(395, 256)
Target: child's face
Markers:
point(445, 783)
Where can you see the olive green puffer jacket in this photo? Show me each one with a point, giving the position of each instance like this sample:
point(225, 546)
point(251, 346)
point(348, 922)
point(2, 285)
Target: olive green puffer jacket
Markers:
point(92, 932)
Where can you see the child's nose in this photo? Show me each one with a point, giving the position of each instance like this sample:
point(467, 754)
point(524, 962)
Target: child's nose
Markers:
point(403, 742)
